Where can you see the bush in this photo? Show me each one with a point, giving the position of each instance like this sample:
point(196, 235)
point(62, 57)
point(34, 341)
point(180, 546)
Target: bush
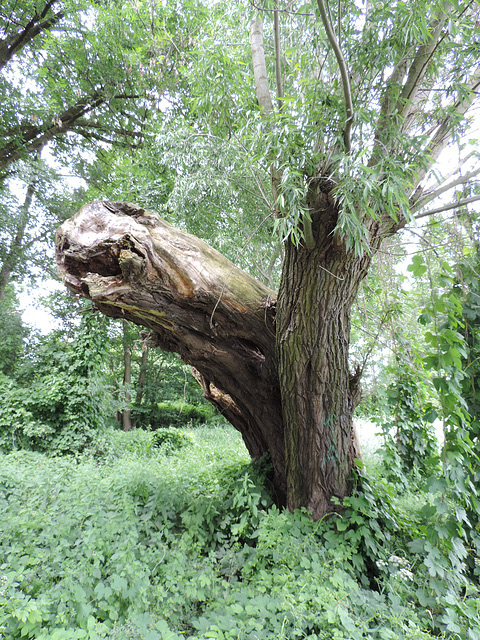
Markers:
point(179, 414)
point(171, 439)
point(58, 403)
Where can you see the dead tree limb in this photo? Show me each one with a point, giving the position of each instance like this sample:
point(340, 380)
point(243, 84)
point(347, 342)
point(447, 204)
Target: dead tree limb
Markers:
point(221, 321)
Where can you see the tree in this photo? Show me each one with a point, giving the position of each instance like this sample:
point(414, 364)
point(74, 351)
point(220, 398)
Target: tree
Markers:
point(76, 78)
point(12, 334)
point(367, 104)
point(58, 398)
point(87, 76)
point(16, 248)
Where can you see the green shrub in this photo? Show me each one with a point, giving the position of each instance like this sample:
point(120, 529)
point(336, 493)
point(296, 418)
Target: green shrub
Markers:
point(179, 414)
point(139, 442)
point(171, 439)
point(59, 402)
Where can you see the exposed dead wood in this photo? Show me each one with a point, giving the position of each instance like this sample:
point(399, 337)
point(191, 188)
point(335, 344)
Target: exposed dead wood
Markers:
point(134, 265)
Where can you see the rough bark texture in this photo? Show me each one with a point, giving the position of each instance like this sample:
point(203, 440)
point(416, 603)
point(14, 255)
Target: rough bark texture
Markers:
point(221, 321)
point(319, 394)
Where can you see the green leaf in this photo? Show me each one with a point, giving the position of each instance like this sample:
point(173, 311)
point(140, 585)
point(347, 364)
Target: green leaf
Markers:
point(418, 266)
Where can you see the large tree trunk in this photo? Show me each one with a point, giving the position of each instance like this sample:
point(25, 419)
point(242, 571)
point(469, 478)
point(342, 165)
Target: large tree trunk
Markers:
point(133, 265)
point(319, 394)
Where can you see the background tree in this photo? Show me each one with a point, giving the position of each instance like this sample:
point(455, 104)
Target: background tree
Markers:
point(87, 73)
point(75, 79)
point(12, 333)
point(58, 399)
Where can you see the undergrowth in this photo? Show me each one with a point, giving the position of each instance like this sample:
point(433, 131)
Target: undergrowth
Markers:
point(142, 540)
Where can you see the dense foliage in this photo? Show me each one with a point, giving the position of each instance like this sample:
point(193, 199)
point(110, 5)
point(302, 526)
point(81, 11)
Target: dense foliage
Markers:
point(57, 401)
point(159, 542)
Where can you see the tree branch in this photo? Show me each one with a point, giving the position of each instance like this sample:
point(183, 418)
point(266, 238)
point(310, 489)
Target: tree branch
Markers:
point(387, 109)
point(34, 138)
point(287, 11)
point(17, 247)
point(442, 136)
point(416, 206)
point(448, 207)
point(137, 267)
point(15, 42)
point(461, 163)
point(259, 66)
point(28, 137)
point(263, 93)
point(278, 61)
point(85, 124)
point(418, 69)
point(347, 92)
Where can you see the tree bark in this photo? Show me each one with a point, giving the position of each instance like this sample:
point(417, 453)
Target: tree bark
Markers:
point(318, 392)
point(133, 265)
point(127, 382)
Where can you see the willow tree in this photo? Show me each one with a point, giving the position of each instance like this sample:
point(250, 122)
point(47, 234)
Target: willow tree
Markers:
point(344, 119)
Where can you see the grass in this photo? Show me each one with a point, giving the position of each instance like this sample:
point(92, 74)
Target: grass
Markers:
point(143, 542)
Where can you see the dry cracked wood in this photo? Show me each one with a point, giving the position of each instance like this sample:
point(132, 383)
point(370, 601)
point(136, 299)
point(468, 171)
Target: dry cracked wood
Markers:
point(134, 265)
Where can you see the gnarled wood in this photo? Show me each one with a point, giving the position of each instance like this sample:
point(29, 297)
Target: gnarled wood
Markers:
point(134, 265)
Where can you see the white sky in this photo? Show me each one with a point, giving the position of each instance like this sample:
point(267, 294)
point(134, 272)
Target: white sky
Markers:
point(34, 314)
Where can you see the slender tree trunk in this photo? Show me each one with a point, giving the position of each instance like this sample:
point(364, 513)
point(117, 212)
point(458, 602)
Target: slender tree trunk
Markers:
point(16, 249)
point(142, 376)
point(127, 382)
